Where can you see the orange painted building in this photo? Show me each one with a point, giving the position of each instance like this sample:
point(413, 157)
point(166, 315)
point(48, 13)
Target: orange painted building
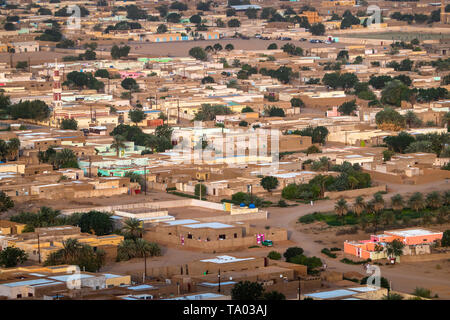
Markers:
point(374, 248)
point(312, 16)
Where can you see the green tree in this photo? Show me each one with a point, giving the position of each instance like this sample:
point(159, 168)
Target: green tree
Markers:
point(397, 202)
point(11, 257)
point(274, 255)
point(96, 222)
point(234, 23)
point(133, 228)
point(197, 189)
point(229, 47)
point(118, 144)
point(394, 248)
point(390, 118)
point(102, 73)
point(246, 290)
point(269, 183)
point(198, 53)
point(445, 242)
point(162, 28)
point(387, 155)
point(273, 111)
point(69, 124)
point(359, 206)
point(297, 102)
point(129, 84)
point(317, 29)
point(433, 200)
point(292, 252)
point(35, 110)
point(395, 92)
point(341, 208)
point(76, 253)
point(274, 295)
point(416, 201)
point(348, 108)
point(137, 116)
point(400, 142)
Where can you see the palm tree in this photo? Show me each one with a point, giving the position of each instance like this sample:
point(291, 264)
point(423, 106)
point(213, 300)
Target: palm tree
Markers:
point(394, 248)
point(427, 218)
point(209, 49)
point(118, 144)
point(378, 202)
point(442, 214)
point(434, 200)
point(359, 205)
point(70, 250)
point(397, 202)
point(446, 197)
point(416, 201)
point(353, 182)
point(64, 158)
point(133, 227)
point(13, 148)
point(363, 221)
point(446, 120)
point(341, 208)
point(388, 217)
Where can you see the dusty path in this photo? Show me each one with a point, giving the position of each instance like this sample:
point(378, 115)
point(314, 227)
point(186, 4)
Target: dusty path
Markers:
point(404, 277)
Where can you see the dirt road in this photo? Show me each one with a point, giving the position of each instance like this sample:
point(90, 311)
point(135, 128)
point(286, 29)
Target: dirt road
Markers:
point(404, 277)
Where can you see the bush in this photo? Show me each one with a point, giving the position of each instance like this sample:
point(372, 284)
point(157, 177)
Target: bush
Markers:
point(327, 252)
point(274, 255)
point(422, 292)
point(292, 252)
point(384, 283)
point(282, 203)
point(348, 261)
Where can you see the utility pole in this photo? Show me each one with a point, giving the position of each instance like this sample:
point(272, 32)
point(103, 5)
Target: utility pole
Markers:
point(145, 265)
point(178, 111)
point(90, 166)
point(39, 248)
point(145, 178)
point(299, 288)
point(219, 280)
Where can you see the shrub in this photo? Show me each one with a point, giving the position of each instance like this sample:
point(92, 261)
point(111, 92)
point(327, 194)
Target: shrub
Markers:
point(292, 252)
point(274, 255)
point(327, 252)
point(422, 292)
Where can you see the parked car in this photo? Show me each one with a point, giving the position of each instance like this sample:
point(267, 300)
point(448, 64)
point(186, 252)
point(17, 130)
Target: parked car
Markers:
point(267, 243)
point(303, 39)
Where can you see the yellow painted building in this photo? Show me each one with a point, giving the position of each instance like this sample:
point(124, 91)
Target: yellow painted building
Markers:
point(341, 3)
point(312, 16)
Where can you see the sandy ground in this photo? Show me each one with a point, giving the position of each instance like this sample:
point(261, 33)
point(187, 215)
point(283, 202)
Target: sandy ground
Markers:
point(404, 276)
point(181, 49)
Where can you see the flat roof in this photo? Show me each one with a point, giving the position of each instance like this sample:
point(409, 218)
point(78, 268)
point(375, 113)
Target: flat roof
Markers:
point(225, 259)
point(27, 283)
point(200, 296)
point(213, 284)
point(141, 287)
point(181, 221)
point(331, 294)
point(212, 225)
point(364, 289)
point(111, 276)
point(70, 277)
point(412, 232)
